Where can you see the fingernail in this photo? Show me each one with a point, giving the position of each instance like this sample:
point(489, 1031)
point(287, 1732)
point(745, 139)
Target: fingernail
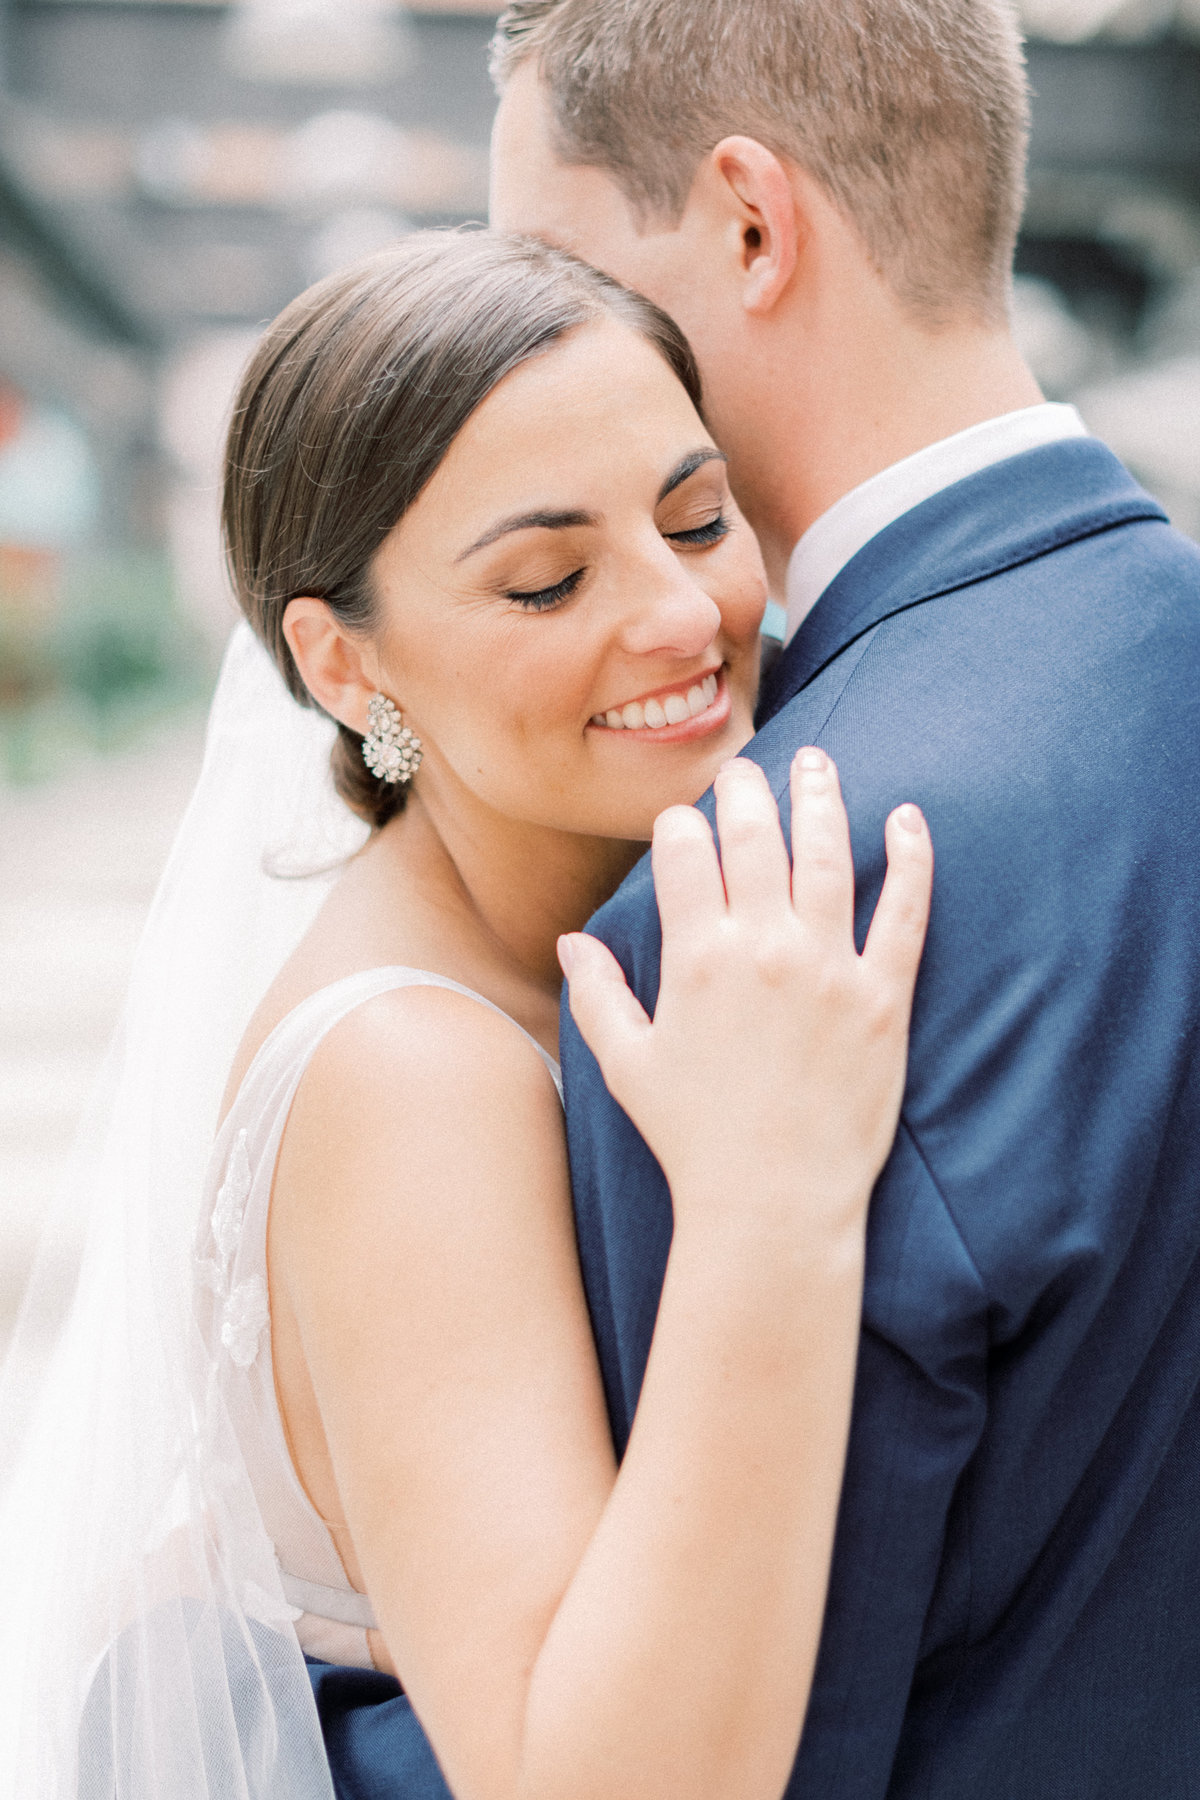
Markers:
point(566, 955)
point(909, 818)
point(813, 759)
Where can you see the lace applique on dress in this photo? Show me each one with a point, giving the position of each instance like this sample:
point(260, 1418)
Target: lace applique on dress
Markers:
point(246, 1309)
point(231, 1200)
point(243, 1320)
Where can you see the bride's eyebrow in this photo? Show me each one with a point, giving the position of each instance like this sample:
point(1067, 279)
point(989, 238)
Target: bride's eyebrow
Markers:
point(530, 521)
point(687, 466)
point(564, 520)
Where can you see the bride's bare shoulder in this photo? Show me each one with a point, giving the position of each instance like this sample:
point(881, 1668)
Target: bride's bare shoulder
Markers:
point(424, 1087)
point(425, 1040)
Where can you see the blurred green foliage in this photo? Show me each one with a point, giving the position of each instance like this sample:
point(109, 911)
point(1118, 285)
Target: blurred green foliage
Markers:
point(86, 667)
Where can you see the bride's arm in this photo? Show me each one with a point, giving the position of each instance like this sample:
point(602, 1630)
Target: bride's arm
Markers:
point(566, 1633)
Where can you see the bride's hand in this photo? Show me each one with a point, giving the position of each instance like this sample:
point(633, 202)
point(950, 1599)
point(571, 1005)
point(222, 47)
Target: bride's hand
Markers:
point(774, 1068)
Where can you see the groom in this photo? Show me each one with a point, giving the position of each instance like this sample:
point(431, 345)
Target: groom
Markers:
point(985, 615)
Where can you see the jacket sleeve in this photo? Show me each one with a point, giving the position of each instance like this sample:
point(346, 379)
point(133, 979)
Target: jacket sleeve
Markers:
point(919, 1405)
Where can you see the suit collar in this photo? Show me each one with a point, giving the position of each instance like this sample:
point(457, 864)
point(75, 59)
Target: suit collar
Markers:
point(1008, 514)
point(851, 522)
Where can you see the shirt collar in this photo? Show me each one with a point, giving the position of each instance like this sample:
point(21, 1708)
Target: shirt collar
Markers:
point(851, 522)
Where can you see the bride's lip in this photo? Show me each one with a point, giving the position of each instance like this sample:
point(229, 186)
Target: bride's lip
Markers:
point(698, 725)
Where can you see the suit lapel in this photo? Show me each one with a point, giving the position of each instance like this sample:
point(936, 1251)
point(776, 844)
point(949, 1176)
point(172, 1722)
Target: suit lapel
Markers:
point(1006, 515)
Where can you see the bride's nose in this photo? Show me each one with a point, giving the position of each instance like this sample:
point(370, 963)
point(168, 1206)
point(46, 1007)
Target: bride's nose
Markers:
point(671, 613)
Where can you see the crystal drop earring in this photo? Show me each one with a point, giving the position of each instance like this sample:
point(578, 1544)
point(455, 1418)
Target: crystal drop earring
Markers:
point(390, 750)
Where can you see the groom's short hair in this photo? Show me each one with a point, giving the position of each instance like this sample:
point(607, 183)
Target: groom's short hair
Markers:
point(913, 115)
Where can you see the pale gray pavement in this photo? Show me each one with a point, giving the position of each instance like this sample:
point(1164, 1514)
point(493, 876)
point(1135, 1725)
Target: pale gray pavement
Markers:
point(79, 860)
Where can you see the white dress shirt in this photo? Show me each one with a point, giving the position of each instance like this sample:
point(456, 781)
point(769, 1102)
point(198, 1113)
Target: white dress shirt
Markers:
point(851, 522)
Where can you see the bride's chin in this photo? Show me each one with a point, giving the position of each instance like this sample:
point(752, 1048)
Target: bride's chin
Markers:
point(634, 805)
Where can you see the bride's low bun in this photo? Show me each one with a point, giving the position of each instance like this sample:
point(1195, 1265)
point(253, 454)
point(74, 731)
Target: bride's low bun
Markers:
point(352, 400)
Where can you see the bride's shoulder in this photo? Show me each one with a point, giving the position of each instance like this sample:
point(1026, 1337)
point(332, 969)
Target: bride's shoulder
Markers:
point(430, 1033)
point(415, 1060)
point(422, 1102)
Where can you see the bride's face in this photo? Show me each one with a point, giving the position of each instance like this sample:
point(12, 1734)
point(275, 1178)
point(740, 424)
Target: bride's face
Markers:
point(569, 614)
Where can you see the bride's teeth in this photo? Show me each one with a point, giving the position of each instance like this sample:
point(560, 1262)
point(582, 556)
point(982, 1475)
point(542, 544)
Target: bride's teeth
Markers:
point(652, 715)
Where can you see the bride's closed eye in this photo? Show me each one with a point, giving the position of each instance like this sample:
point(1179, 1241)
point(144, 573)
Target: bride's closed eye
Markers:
point(699, 536)
point(695, 537)
point(542, 599)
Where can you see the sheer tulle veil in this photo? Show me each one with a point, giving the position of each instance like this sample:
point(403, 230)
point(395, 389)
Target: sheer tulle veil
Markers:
point(145, 1645)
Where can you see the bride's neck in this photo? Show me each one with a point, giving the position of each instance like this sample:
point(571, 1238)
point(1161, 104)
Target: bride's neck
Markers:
point(521, 885)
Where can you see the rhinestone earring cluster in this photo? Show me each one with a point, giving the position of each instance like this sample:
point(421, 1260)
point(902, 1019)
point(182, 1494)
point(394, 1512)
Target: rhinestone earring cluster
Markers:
point(390, 750)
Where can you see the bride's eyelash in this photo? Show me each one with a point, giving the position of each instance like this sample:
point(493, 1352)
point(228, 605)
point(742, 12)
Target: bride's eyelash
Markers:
point(544, 598)
point(712, 533)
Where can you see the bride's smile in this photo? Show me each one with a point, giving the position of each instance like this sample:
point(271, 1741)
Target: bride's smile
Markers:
point(704, 704)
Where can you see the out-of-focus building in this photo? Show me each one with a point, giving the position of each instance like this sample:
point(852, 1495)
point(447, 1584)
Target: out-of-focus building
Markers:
point(172, 172)
point(1108, 294)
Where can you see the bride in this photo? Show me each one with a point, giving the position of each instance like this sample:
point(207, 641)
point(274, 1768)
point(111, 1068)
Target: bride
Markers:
point(354, 1432)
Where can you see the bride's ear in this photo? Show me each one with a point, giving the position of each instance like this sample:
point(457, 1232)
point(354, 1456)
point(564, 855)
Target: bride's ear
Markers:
point(330, 661)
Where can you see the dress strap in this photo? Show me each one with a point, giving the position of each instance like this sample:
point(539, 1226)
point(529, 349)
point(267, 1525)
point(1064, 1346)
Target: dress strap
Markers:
point(341, 1606)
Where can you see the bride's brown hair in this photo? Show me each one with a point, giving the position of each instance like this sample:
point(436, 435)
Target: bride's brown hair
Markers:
point(352, 400)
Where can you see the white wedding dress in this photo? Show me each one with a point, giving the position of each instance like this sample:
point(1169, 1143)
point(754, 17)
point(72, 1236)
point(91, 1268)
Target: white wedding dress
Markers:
point(331, 1617)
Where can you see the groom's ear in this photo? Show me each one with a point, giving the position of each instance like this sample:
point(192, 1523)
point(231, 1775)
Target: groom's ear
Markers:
point(756, 189)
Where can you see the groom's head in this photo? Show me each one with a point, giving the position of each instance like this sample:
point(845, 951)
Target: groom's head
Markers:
point(820, 165)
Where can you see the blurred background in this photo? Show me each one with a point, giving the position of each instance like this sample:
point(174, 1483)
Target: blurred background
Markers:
point(172, 172)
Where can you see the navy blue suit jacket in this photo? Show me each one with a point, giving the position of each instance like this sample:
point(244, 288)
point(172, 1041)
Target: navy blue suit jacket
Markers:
point(1015, 1603)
